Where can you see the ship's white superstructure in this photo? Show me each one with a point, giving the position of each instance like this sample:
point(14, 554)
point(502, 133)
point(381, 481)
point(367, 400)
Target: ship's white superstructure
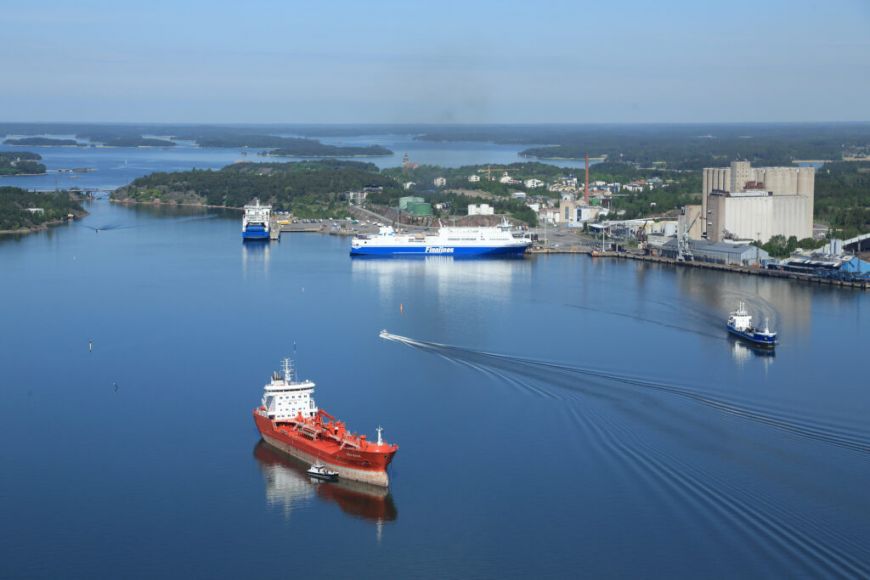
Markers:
point(285, 398)
point(740, 319)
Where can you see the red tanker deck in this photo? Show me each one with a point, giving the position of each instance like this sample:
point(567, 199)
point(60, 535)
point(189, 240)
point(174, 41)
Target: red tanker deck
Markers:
point(289, 420)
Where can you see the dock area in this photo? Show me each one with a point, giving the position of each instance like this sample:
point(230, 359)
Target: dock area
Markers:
point(331, 227)
point(569, 243)
point(749, 270)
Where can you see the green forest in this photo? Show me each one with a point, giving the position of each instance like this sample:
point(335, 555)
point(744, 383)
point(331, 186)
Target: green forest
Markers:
point(24, 163)
point(43, 142)
point(310, 148)
point(316, 188)
point(842, 198)
point(55, 205)
point(109, 138)
point(307, 188)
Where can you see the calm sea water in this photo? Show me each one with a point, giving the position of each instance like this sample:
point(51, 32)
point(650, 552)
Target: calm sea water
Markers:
point(556, 416)
point(117, 166)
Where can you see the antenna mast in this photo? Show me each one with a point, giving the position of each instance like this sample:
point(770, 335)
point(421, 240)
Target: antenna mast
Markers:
point(586, 188)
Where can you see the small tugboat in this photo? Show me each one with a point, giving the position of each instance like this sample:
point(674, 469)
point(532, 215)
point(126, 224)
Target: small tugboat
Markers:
point(319, 471)
point(740, 325)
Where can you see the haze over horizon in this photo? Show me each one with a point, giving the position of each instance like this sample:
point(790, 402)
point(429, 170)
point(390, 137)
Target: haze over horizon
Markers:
point(470, 63)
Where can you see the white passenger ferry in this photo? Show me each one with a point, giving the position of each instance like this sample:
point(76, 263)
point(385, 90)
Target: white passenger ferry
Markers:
point(500, 240)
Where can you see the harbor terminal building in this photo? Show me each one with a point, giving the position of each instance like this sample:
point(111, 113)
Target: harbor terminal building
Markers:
point(742, 202)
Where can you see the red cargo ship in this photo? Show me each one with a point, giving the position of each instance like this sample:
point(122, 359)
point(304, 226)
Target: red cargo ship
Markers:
point(289, 420)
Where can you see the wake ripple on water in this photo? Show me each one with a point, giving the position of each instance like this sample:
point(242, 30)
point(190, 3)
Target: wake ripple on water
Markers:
point(776, 533)
point(848, 439)
point(766, 524)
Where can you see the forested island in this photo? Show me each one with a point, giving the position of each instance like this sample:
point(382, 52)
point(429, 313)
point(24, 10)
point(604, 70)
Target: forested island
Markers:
point(23, 211)
point(133, 141)
point(319, 188)
point(307, 188)
point(43, 142)
point(289, 146)
point(23, 163)
point(312, 148)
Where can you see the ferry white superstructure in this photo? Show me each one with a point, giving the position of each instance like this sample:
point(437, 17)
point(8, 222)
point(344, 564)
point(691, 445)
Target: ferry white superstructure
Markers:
point(256, 223)
point(500, 240)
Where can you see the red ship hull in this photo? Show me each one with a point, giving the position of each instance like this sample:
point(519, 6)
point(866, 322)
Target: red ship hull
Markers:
point(313, 440)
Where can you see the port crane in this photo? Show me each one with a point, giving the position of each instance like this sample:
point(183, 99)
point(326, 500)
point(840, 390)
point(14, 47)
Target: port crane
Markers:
point(684, 250)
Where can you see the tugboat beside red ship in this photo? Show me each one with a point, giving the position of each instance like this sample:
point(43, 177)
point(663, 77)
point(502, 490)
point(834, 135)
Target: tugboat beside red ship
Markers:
point(289, 420)
point(288, 482)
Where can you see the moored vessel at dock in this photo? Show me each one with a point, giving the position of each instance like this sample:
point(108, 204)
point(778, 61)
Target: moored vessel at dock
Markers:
point(449, 241)
point(288, 419)
point(740, 325)
point(256, 222)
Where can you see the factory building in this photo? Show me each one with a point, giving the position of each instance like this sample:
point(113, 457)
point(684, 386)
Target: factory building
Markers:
point(717, 252)
point(756, 203)
point(757, 215)
point(575, 213)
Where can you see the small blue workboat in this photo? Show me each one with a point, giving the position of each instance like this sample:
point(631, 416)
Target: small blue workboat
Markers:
point(740, 325)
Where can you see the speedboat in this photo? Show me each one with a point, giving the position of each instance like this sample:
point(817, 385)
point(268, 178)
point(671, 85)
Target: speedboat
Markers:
point(319, 471)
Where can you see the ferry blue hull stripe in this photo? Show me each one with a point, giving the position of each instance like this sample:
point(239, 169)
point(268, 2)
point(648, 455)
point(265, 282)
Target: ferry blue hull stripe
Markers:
point(438, 251)
point(755, 338)
point(255, 233)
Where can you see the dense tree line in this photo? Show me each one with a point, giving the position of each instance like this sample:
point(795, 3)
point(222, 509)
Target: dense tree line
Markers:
point(55, 205)
point(312, 148)
point(457, 177)
point(780, 247)
point(304, 186)
point(842, 197)
point(24, 163)
point(646, 203)
point(119, 138)
point(135, 142)
point(42, 142)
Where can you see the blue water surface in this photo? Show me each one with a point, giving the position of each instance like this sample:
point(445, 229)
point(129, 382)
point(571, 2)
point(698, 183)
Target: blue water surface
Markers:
point(556, 416)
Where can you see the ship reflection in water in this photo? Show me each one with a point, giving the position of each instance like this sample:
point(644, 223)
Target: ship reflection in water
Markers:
point(742, 351)
point(483, 278)
point(255, 258)
point(288, 484)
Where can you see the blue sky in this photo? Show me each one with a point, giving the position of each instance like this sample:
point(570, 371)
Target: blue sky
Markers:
point(459, 62)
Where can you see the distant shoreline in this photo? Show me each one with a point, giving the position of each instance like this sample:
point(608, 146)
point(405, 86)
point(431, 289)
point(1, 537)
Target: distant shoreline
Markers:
point(43, 226)
point(359, 156)
point(128, 201)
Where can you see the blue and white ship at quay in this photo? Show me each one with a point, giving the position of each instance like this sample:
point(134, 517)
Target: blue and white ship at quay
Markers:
point(256, 223)
point(496, 241)
point(740, 325)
